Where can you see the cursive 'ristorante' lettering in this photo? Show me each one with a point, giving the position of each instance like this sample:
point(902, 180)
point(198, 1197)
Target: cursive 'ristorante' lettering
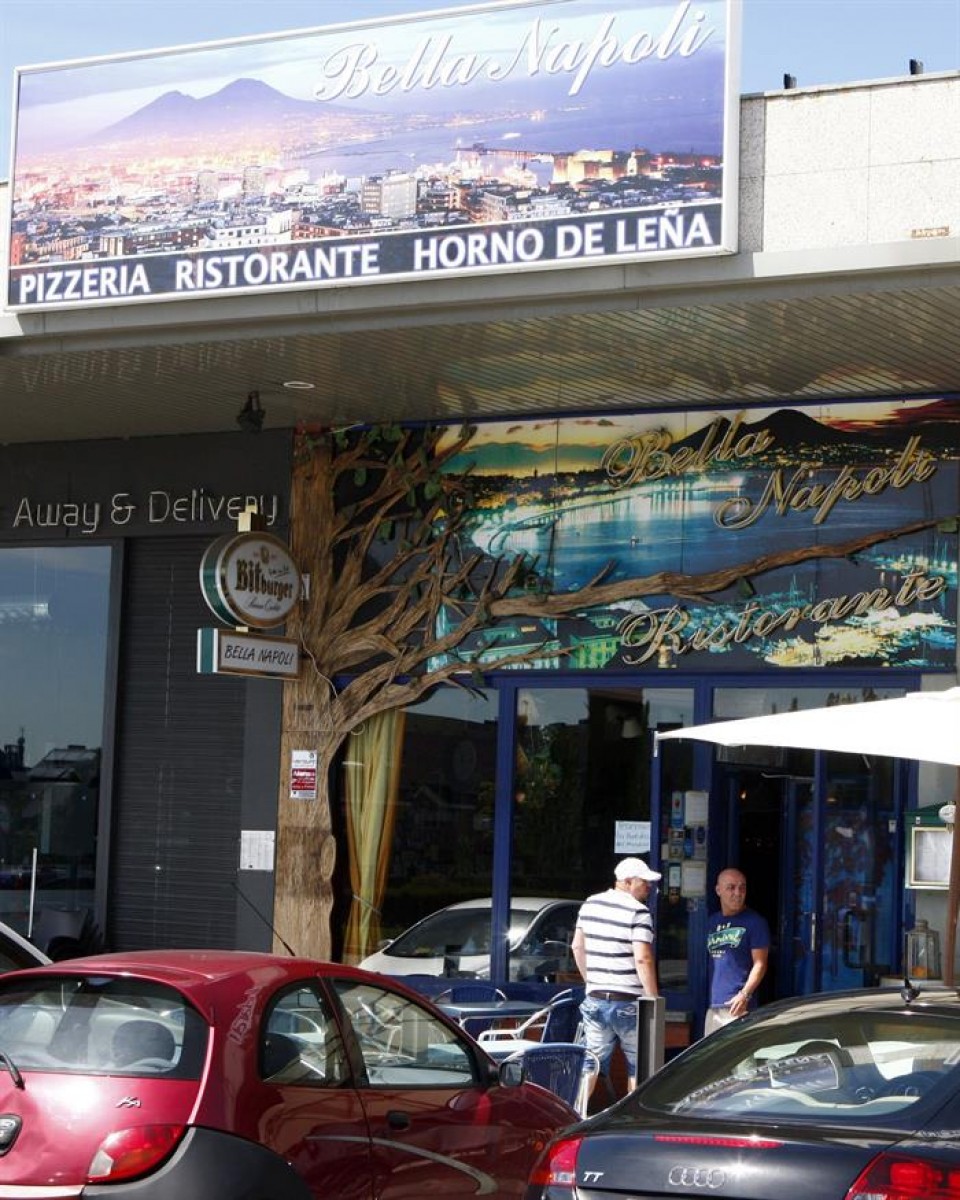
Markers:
point(673, 631)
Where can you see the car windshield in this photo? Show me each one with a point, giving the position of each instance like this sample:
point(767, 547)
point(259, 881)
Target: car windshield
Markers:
point(858, 1067)
point(100, 1026)
point(457, 931)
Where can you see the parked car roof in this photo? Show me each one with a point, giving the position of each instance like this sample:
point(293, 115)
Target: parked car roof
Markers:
point(459, 936)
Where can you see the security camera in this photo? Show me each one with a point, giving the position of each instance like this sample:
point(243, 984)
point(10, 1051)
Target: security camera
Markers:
point(250, 417)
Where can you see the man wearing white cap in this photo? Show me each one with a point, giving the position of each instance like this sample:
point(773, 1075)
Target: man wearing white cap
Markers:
point(613, 948)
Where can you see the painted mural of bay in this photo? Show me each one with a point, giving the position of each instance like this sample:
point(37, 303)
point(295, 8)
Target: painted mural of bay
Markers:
point(671, 526)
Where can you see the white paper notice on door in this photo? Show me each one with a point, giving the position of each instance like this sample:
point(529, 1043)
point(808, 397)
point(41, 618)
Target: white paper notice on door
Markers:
point(256, 849)
point(631, 837)
point(696, 808)
point(693, 879)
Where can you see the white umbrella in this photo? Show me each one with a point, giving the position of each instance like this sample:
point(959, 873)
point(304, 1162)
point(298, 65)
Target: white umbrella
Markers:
point(920, 725)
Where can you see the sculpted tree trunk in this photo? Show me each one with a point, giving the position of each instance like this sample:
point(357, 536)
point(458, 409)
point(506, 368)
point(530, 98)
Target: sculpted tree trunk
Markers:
point(379, 529)
point(306, 847)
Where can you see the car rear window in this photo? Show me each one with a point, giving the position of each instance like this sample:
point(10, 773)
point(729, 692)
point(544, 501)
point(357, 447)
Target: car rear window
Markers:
point(100, 1026)
point(861, 1068)
point(460, 930)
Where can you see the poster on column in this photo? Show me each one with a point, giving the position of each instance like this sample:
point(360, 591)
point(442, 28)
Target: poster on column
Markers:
point(303, 775)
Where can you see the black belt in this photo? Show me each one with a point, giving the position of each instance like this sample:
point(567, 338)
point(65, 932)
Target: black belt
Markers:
point(613, 995)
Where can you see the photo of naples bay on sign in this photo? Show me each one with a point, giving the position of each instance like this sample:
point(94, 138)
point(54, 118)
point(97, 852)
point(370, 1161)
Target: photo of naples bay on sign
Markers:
point(482, 140)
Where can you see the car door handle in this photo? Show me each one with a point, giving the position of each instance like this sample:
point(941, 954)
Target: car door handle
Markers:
point(398, 1120)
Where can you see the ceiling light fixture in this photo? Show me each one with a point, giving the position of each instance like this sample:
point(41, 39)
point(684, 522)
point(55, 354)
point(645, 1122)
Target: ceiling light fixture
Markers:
point(299, 385)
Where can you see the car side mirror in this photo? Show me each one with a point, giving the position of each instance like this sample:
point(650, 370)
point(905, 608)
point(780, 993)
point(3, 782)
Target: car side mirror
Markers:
point(511, 1072)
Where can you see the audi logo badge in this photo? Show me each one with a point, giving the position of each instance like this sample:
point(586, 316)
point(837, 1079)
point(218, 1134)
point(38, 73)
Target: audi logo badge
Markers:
point(708, 1178)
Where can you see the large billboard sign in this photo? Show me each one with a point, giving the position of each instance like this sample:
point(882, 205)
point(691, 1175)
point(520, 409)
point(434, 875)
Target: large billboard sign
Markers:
point(474, 140)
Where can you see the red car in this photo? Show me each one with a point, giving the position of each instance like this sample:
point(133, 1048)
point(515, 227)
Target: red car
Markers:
point(225, 1074)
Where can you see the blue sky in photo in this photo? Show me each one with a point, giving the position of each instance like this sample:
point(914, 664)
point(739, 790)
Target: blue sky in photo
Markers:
point(673, 97)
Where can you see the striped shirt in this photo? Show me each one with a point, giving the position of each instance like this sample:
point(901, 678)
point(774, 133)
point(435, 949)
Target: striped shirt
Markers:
point(612, 923)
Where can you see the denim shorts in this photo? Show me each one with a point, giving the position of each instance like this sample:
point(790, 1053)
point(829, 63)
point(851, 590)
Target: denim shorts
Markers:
point(606, 1022)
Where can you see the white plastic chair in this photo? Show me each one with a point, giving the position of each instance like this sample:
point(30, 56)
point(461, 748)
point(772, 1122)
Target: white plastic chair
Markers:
point(555, 1022)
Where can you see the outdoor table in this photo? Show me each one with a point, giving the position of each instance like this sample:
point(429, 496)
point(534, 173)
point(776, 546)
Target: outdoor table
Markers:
point(488, 1010)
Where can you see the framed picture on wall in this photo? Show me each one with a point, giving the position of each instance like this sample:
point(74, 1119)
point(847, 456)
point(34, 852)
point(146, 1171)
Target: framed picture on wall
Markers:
point(928, 856)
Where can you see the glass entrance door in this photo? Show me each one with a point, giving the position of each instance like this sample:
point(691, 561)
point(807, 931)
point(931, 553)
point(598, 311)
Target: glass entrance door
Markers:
point(761, 810)
point(819, 850)
point(800, 917)
point(817, 836)
point(860, 899)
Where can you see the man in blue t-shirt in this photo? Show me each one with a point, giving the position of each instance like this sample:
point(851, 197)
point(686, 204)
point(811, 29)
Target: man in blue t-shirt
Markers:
point(738, 942)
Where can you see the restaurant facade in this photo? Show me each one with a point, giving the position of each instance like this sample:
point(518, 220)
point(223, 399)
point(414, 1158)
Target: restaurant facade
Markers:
point(704, 404)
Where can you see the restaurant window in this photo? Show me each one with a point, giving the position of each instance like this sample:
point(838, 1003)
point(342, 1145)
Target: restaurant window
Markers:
point(54, 627)
point(583, 790)
point(418, 787)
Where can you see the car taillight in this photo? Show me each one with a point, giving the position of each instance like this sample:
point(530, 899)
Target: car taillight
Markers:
point(128, 1153)
point(557, 1166)
point(898, 1177)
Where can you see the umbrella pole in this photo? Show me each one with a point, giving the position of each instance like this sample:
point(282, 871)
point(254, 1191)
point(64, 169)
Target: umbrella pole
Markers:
point(953, 895)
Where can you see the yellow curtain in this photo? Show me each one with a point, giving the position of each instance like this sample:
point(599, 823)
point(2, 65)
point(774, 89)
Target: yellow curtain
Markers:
point(372, 779)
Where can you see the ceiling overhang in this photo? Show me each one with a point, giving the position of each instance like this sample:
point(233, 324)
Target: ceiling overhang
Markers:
point(865, 321)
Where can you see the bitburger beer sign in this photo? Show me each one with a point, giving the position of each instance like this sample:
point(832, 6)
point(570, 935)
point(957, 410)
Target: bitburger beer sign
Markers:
point(250, 580)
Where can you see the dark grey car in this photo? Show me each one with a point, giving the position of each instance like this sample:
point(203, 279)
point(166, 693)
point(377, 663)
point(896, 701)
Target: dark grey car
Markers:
point(847, 1096)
